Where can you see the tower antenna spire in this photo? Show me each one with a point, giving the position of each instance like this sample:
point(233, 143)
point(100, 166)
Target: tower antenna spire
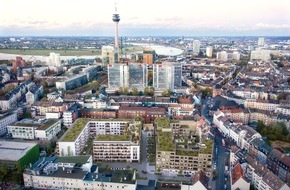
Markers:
point(116, 7)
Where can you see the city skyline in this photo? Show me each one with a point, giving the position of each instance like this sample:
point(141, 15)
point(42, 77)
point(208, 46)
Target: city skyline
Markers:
point(139, 18)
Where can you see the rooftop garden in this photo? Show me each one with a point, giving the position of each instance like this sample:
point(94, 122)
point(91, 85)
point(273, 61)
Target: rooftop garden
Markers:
point(165, 142)
point(162, 122)
point(48, 123)
point(79, 125)
point(74, 132)
point(113, 138)
point(208, 147)
point(187, 153)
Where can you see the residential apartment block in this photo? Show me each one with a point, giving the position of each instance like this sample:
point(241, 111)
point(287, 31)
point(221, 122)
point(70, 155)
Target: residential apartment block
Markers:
point(75, 139)
point(119, 148)
point(181, 153)
point(32, 129)
point(77, 172)
point(7, 119)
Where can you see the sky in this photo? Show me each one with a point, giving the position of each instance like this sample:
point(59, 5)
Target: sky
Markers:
point(145, 18)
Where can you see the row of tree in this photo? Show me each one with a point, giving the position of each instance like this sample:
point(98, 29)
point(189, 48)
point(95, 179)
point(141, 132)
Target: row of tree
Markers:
point(148, 91)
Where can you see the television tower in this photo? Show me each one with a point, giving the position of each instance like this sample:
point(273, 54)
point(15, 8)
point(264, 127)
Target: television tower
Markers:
point(116, 20)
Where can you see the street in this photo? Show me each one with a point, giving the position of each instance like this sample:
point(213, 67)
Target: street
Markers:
point(221, 159)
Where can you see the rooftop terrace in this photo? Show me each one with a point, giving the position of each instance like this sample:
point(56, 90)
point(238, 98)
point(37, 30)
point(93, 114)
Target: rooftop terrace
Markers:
point(113, 138)
point(165, 142)
point(79, 125)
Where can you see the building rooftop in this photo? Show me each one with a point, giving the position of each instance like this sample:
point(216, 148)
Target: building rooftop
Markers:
point(82, 159)
point(201, 177)
point(79, 125)
point(13, 151)
point(162, 122)
point(165, 141)
point(237, 173)
point(40, 125)
point(113, 138)
point(272, 180)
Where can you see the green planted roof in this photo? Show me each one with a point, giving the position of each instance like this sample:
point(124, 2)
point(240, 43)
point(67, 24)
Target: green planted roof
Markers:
point(208, 148)
point(165, 142)
point(74, 132)
point(187, 153)
point(113, 138)
point(79, 125)
point(162, 122)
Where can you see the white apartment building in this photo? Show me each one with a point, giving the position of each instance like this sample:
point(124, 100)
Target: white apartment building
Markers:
point(74, 140)
point(115, 148)
point(283, 109)
point(31, 129)
point(68, 118)
point(196, 46)
point(260, 54)
point(75, 173)
point(261, 41)
point(7, 119)
point(241, 134)
point(54, 60)
point(208, 51)
point(222, 55)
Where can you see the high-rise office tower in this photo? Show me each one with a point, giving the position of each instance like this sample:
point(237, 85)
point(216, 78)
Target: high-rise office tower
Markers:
point(108, 56)
point(167, 76)
point(261, 41)
point(149, 56)
point(223, 55)
point(127, 75)
point(209, 51)
point(196, 46)
point(54, 59)
point(116, 20)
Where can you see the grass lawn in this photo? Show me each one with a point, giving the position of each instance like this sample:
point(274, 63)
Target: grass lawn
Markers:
point(46, 52)
point(70, 52)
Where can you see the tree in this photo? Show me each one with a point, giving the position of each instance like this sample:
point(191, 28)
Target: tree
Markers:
point(158, 170)
point(194, 84)
point(166, 92)
point(214, 174)
point(134, 91)
point(149, 91)
point(206, 92)
point(121, 90)
point(18, 175)
point(107, 167)
point(280, 96)
point(125, 90)
point(180, 172)
point(3, 171)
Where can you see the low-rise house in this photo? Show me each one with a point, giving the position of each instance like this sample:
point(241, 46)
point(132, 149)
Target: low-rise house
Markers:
point(238, 179)
point(198, 181)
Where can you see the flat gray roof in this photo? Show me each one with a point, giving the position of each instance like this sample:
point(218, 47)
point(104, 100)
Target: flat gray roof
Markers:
point(13, 151)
